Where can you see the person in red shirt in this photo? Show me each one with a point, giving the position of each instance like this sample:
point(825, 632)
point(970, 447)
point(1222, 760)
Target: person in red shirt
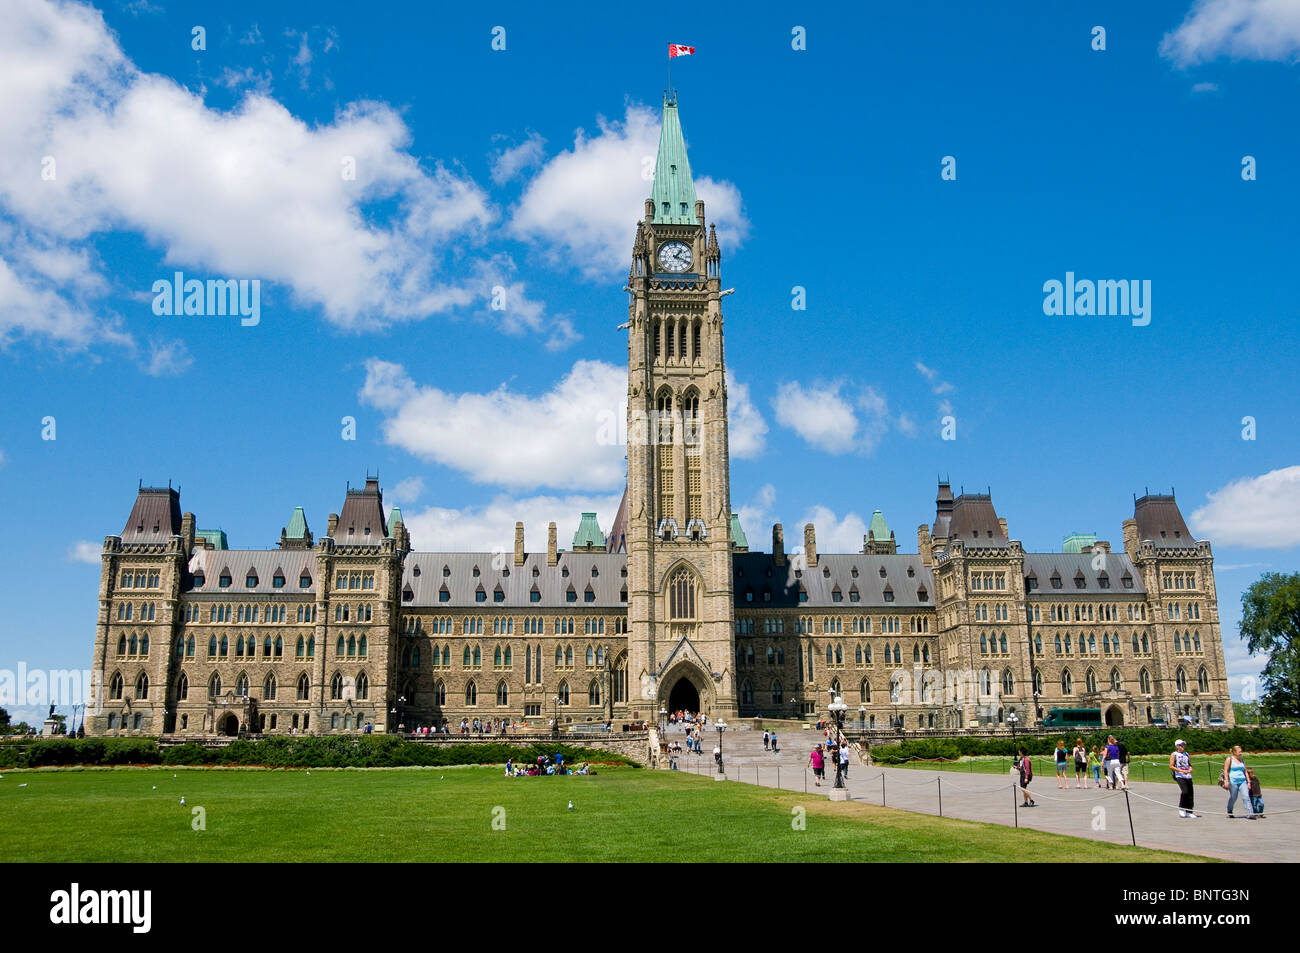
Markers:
point(1026, 766)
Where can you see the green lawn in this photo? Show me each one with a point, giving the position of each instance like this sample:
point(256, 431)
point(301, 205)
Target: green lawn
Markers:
point(1275, 768)
point(446, 814)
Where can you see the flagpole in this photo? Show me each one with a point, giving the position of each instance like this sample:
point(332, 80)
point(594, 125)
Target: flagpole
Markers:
point(669, 91)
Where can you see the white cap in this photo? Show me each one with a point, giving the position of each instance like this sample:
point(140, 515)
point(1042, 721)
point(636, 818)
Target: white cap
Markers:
point(1180, 741)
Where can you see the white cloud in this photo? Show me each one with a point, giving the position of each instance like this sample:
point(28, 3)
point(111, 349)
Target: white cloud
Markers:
point(1260, 512)
point(506, 304)
point(746, 428)
point(757, 517)
point(255, 192)
point(830, 417)
point(168, 359)
point(834, 535)
point(407, 491)
point(491, 526)
point(937, 385)
point(582, 203)
point(1205, 88)
point(559, 438)
point(85, 551)
point(818, 414)
point(508, 163)
point(3, 459)
point(1240, 29)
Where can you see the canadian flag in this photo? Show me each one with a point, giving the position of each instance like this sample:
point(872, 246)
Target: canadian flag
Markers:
point(675, 50)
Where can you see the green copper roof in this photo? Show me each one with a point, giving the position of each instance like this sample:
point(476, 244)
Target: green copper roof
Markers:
point(738, 537)
point(217, 537)
point(1078, 542)
point(297, 528)
point(394, 516)
point(879, 529)
point(588, 533)
point(673, 185)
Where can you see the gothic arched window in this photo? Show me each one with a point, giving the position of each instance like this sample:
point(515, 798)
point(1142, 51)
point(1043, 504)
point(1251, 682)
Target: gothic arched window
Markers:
point(681, 595)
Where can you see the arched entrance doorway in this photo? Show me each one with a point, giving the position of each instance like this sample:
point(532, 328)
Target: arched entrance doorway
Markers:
point(229, 726)
point(684, 697)
point(1114, 716)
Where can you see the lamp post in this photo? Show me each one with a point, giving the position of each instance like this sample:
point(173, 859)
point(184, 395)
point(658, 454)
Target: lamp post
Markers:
point(837, 709)
point(663, 719)
point(721, 726)
point(862, 717)
point(1011, 720)
point(555, 720)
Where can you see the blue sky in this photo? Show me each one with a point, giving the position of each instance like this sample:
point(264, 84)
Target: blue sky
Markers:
point(522, 168)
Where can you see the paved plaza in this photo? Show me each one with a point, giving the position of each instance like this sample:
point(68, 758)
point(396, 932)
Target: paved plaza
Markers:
point(1089, 813)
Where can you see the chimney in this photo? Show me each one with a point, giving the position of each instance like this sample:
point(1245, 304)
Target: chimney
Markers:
point(699, 211)
point(1002, 525)
point(810, 544)
point(332, 525)
point(1131, 538)
point(187, 532)
point(552, 556)
point(778, 544)
point(923, 545)
point(1102, 545)
point(519, 544)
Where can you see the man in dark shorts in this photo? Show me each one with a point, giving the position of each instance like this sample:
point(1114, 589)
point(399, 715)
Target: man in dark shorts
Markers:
point(818, 761)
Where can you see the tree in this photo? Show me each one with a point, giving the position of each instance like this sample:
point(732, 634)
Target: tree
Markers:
point(4, 718)
point(1270, 623)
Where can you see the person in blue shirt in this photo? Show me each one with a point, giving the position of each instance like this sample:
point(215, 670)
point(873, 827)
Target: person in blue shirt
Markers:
point(1234, 769)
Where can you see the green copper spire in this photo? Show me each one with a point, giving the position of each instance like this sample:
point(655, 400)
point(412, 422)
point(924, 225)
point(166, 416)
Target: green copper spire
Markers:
point(878, 529)
point(738, 538)
point(673, 192)
point(1078, 543)
point(297, 528)
point(588, 535)
point(395, 516)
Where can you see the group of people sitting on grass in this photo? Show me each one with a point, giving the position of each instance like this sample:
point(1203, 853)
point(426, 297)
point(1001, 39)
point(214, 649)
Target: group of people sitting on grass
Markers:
point(545, 766)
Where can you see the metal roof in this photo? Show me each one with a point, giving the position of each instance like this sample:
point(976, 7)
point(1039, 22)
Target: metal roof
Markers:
point(297, 528)
point(738, 537)
point(757, 573)
point(362, 521)
point(1078, 542)
point(426, 574)
point(211, 563)
point(217, 537)
point(879, 529)
point(1160, 520)
point(673, 184)
point(155, 517)
point(1079, 566)
point(974, 519)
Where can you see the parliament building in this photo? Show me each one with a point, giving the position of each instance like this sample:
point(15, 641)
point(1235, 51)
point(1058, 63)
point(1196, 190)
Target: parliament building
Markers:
point(670, 609)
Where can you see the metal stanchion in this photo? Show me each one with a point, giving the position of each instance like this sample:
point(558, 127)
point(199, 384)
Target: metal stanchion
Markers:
point(941, 797)
point(882, 788)
point(1015, 805)
point(1129, 805)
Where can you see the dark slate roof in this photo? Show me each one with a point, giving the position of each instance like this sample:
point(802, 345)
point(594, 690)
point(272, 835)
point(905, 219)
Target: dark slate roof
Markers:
point(942, 512)
point(156, 516)
point(1159, 520)
point(616, 541)
point(757, 570)
point(975, 521)
point(292, 562)
point(362, 510)
point(1072, 566)
point(516, 582)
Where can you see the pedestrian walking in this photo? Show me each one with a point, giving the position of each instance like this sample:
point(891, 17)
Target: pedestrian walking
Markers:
point(1256, 794)
point(844, 761)
point(1026, 768)
point(1094, 764)
point(1080, 763)
point(1110, 762)
point(1181, 767)
point(774, 741)
point(1235, 780)
point(767, 739)
point(1062, 760)
point(1123, 763)
point(817, 760)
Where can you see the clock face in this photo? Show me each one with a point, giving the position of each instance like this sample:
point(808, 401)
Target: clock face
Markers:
point(674, 256)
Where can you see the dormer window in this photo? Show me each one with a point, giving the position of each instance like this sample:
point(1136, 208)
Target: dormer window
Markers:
point(475, 572)
point(446, 571)
point(1079, 581)
point(534, 595)
point(444, 595)
point(304, 581)
point(498, 595)
point(922, 595)
point(1103, 580)
point(889, 594)
point(826, 572)
point(199, 580)
point(1056, 581)
point(225, 579)
point(480, 594)
point(882, 572)
point(565, 572)
point(1127, 580)
point(910, 572)
point(594, 572)
point(854, 572)
point(589, 595)
point(667, 207)
point(684, 212)
point(571, 595)
point(408, 593)
point(1031, 583)
point(415, 570)
point(251, 580)
point(623, 572)
point(536, 572)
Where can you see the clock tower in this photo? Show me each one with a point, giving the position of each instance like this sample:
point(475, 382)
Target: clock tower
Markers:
point(681, 614)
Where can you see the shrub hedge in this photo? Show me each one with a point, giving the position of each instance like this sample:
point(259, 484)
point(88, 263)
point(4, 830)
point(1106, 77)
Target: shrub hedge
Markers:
point(1138, 740)
point(367, 751)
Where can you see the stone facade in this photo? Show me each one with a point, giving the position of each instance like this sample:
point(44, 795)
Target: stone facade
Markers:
point(356, 629)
